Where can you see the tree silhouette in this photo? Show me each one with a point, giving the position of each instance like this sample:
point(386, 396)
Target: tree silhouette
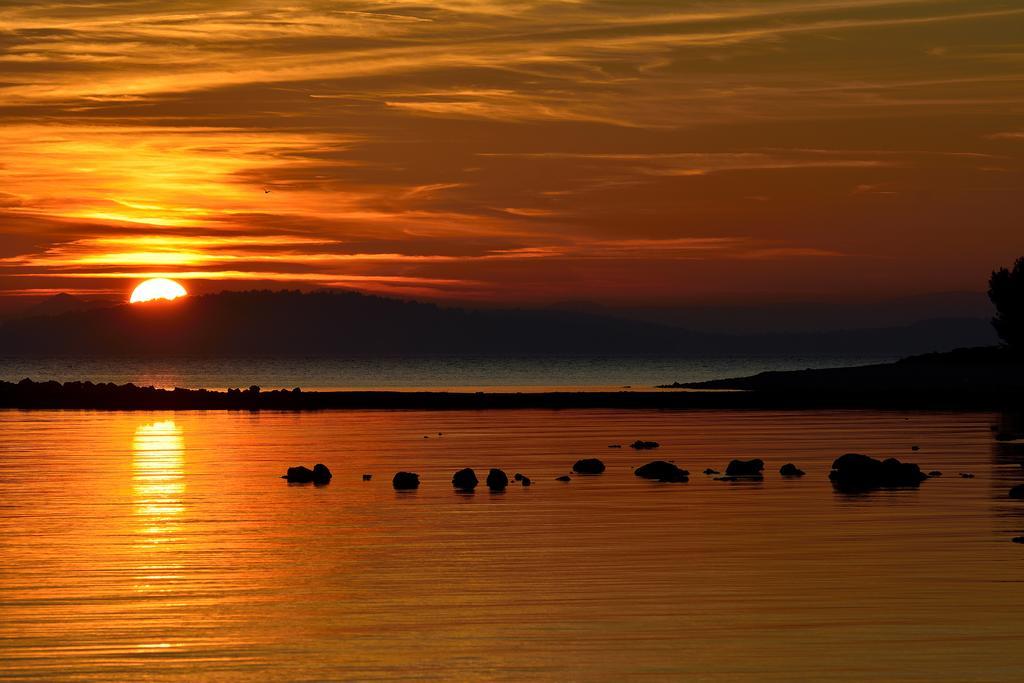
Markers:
point(1006, 290)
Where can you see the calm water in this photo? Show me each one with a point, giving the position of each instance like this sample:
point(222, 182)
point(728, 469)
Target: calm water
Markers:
point(502, 374)
point(163, 547)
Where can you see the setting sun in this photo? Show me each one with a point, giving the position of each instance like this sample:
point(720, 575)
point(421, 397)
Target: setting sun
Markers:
point(157, 288)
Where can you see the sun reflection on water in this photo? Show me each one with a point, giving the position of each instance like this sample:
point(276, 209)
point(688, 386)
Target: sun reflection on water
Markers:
point(158, 479)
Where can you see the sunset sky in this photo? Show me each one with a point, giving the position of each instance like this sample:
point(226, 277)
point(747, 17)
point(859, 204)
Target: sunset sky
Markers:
point(526, 151)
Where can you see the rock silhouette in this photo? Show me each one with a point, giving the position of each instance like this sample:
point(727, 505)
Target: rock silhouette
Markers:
point(966, 475)
point(791, 470)
point(367, 477)
point(526, 481)
point(300, 474)
point(564, 477)
point(1017, 492)
point(321, 474)
point(497, 480)
point(662, 471)
point(855, 472)
point(935, 473)
point(745, 468)
point(711, 471)
point(588, 466)
point(465, 479)
point(303, 475)
point(644, 445)
point(404, 481)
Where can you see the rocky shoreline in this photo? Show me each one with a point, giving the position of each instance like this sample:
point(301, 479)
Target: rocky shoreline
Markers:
point(772, 391)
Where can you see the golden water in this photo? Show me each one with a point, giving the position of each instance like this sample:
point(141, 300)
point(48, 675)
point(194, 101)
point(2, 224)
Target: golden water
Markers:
point(162, 546)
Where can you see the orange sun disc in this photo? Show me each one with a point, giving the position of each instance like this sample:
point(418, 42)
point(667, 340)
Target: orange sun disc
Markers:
point(157, 288)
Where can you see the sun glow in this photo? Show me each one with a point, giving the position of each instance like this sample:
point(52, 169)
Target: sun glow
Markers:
point(157, 288)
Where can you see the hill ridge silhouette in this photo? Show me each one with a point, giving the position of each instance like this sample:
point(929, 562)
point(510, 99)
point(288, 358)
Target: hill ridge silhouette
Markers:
point(330, 323)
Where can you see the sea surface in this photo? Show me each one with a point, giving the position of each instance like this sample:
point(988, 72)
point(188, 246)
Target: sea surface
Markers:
point(163, 546)
point(534, 373)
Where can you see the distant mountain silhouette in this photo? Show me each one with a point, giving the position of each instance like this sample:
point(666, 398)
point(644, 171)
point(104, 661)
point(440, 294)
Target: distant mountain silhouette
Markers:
point(291, 323)
point(61, 303)
point(805, 316)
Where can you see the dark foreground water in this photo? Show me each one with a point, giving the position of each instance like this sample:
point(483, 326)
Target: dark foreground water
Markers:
point(496, 374)
point(164, 547)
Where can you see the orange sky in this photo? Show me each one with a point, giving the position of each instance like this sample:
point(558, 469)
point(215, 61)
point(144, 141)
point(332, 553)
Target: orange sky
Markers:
point(518, 151)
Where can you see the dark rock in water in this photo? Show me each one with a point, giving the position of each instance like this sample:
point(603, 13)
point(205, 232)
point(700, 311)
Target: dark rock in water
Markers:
point(588, 466)
point(321, 475)
point(1006, 436)
point(644, 445)
point(915, 448)
point(526, 481)
point(854, 471)
point(497, 480)
point(564, 477)
point(711, 471)
point(791, 470)
point(404, 481)
point(367, 477)
point(935, 473)
point(300, 475)
point(303, 475)
point(745, 468)
point(465, 479)
point(615, 445)
point(1018, 539)
point(966, 475)
point(1017, 492)
point(662, 471)
point(517, 476)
